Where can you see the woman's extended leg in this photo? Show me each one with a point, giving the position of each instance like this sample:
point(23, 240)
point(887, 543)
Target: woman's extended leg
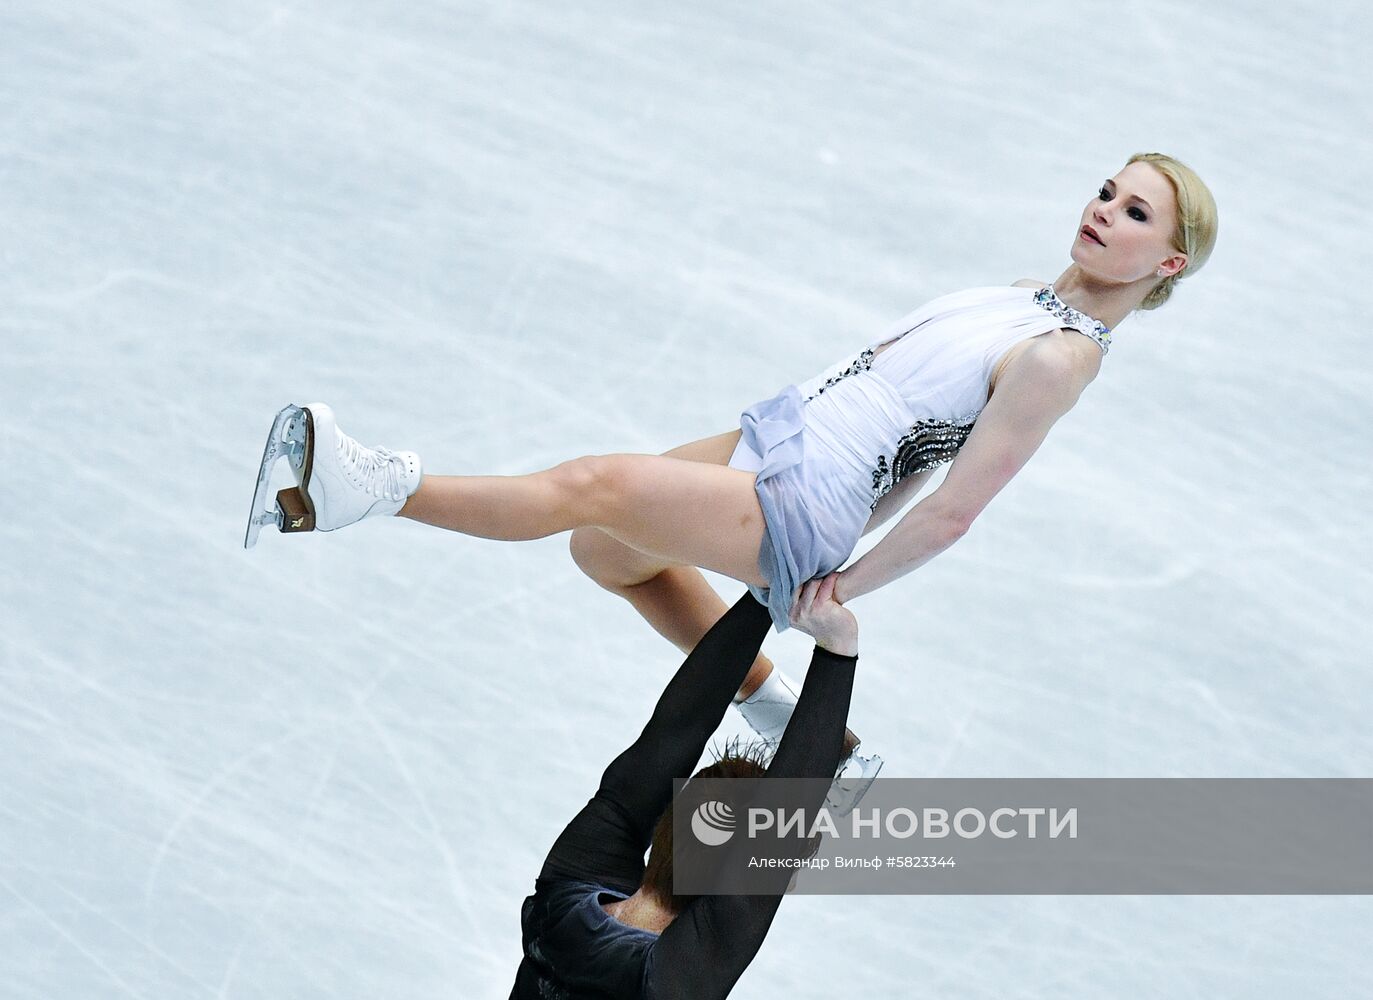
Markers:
point(678, 511)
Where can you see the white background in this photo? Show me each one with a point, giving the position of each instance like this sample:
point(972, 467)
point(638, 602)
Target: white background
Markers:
point(505, 234)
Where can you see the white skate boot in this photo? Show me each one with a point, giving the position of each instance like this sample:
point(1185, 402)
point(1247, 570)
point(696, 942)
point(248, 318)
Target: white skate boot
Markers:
point(338, 481)
point(769, 709)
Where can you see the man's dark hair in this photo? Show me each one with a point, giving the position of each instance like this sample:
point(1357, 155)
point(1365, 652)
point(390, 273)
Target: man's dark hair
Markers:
point(733, 760)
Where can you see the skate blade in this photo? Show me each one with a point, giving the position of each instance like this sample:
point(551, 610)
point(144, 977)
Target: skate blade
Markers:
point(291, 438)
point(848, 789)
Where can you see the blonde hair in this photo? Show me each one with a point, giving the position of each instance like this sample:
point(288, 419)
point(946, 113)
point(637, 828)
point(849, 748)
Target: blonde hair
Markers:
point(1197, 221)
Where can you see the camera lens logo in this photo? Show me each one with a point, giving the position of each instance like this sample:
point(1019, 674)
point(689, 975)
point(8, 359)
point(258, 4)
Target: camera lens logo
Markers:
point(713, 823)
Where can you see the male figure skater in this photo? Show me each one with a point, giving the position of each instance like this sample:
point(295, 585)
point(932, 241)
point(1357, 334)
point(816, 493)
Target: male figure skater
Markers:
point(601, 923)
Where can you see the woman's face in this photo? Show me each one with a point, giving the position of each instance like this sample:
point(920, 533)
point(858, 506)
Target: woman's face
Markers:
point(1126, 232)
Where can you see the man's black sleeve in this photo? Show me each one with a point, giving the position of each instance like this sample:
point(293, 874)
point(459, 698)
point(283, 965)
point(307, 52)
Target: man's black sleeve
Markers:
point(710, 944)
point(606, 841)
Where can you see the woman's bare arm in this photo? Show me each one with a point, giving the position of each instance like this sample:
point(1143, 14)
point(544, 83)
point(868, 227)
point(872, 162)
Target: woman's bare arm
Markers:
point(897, 498)
point(1031, 394)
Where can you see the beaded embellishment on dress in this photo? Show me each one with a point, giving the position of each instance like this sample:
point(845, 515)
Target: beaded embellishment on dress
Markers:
point(928, 444)
point(861, 363)
point(1046, 298)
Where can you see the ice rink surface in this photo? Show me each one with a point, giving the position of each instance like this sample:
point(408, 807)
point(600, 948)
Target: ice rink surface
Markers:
point(506, 234)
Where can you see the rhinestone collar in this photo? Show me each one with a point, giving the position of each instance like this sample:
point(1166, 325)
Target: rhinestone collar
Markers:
point(1079, 321)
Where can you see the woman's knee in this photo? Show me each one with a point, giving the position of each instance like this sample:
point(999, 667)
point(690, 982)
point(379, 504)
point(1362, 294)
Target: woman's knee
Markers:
point(595, 485)
point(588, 550)
point(611, 563)
point(595, 554)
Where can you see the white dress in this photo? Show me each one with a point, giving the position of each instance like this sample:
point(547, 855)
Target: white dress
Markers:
point(827, 450)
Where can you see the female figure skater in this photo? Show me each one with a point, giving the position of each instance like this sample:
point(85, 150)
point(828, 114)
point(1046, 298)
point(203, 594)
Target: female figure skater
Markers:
point(978, 377)
point(601, 922)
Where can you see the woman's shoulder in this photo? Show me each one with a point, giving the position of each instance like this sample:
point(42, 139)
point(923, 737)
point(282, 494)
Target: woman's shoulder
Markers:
point(1059, 357)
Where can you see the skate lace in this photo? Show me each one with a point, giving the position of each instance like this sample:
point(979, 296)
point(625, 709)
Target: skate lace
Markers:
point(377, 470)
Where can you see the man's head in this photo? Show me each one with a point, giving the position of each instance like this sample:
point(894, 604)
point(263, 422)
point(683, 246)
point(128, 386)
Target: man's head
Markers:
point(735, 760)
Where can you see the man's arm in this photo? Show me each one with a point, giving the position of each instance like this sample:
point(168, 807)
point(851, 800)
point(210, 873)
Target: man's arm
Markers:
point(710, 944)
point(607, 839)
point(688, 712)
point(1032, 393)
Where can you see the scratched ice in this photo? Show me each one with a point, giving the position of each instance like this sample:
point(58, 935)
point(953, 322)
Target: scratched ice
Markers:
point(503, 234)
